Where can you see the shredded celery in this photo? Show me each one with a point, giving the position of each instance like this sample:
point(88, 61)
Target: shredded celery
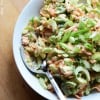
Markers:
point(67, 32)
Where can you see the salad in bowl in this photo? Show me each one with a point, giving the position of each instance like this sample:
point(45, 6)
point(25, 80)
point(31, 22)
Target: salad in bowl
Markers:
point(67, 33)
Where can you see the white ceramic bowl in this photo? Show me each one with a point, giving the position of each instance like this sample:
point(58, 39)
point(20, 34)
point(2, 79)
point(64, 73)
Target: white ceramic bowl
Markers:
point(32, 9)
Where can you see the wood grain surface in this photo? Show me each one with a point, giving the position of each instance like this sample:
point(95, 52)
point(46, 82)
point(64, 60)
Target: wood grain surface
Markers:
point(12, 86)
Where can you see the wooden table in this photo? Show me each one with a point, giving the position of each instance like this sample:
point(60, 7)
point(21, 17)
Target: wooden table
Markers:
point(12, 86)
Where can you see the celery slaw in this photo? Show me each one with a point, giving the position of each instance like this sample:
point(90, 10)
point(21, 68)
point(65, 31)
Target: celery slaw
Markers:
point(68, 32)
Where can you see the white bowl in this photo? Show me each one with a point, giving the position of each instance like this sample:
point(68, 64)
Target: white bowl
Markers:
point(32, 9)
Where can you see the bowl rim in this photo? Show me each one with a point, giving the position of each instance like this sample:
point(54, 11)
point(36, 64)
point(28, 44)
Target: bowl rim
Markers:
point(19, 61)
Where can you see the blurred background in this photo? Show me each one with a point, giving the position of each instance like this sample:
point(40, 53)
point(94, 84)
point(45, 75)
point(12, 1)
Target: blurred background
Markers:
point(12, 85)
